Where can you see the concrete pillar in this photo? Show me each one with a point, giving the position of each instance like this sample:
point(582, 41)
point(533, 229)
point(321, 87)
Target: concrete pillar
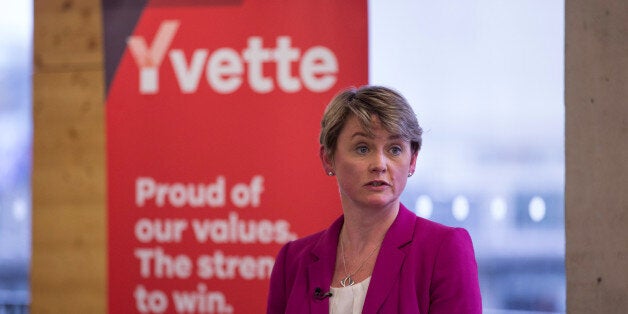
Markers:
point(596, 185)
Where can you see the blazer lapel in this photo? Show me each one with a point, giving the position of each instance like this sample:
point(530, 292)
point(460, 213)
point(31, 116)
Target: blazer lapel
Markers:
point(389, 260)
point(321, 270)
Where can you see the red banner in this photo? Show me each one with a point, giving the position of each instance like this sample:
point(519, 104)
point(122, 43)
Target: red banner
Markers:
point(213, 114)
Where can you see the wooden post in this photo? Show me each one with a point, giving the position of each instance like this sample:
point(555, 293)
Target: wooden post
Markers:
point(68, 273)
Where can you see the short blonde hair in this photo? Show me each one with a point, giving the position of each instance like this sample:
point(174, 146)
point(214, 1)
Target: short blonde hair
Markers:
point(392, 109)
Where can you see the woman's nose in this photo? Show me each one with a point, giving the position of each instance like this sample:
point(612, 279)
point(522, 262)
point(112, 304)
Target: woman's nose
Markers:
point(378, 162)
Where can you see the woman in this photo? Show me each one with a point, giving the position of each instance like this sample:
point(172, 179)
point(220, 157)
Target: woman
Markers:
point(378, 257)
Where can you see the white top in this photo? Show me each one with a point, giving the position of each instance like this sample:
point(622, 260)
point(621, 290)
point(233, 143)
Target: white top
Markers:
point(349, 299)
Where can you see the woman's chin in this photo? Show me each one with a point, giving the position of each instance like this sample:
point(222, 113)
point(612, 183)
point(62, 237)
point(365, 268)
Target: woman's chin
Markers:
point(380, 202)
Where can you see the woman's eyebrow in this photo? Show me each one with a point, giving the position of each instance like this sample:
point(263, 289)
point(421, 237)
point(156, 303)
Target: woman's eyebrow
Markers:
point(361, 134)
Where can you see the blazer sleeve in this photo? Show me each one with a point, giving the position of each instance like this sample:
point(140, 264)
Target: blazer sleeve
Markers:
point(277, 298)
point(455, 286)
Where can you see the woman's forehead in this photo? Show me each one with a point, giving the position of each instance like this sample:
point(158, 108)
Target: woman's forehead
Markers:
point(355, 128)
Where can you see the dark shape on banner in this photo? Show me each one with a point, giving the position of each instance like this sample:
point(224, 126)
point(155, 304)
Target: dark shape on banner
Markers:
point(120, 18)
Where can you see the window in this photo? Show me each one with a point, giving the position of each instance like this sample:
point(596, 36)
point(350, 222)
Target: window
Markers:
point(15, 154)
point(486, 81)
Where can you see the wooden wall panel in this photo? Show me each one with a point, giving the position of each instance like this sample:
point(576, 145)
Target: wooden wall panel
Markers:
point(68, 272)
point(596, 191)
point(68, 34)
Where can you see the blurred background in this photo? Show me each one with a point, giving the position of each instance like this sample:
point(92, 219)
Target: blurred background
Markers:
point(16, 133)
point(486, 80)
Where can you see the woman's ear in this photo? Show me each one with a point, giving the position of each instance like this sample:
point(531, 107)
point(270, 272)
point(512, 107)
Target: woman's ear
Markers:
point(326, 160)
point(413, 158)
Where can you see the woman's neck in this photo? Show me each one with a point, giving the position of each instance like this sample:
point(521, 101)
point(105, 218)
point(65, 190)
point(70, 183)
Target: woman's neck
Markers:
point(365, 228)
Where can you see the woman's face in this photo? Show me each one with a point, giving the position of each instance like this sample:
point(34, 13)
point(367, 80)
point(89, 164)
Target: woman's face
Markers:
point(372, 171)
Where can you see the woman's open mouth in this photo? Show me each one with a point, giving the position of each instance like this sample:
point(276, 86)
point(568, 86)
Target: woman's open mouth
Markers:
point(377, 183)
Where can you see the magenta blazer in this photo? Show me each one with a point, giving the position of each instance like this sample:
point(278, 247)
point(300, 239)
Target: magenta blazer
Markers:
point(422, 267)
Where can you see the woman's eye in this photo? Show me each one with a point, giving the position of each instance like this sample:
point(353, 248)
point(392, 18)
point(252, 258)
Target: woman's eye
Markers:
point(395, 150)
point(362, 150)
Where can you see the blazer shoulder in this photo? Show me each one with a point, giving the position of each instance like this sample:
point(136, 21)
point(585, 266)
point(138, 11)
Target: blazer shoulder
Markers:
point(423, 225)
point(303, 245)
point(433, 235)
